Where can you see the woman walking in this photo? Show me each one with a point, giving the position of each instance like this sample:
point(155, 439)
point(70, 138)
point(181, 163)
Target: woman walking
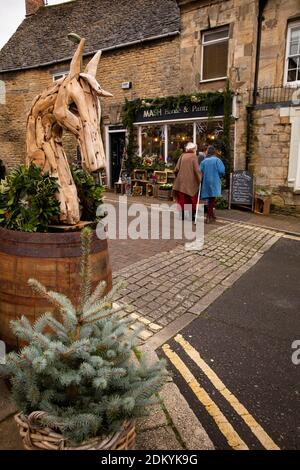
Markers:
point(212, 169)
point(188, 179)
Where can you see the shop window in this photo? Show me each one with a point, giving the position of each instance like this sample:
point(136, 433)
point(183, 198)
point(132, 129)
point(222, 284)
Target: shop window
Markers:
point(209, 133)
point(214, 54)
point(292, 74)
point(153, 142)
point(178, 136)
point(59, 75)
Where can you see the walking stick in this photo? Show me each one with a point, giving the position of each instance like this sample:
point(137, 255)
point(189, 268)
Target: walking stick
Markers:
point(198, 204)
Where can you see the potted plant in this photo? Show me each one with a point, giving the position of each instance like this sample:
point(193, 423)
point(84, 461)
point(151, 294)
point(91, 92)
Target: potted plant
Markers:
point(75, 382)
point(33, 241)
point(165, 191)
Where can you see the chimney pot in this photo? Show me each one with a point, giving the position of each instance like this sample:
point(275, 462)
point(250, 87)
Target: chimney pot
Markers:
point(32, 6)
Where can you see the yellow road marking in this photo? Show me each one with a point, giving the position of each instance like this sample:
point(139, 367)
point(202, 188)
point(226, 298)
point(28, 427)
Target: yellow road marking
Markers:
point(256, 429)
point(292, 237)
point(221, 421)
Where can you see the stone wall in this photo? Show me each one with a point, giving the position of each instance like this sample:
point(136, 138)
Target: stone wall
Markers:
point(273, 41)
point(270, 157)
point(240, 15)
point(153, 69)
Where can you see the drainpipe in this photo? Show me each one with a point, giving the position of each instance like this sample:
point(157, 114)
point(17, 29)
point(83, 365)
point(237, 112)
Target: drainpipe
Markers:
point(250, 108)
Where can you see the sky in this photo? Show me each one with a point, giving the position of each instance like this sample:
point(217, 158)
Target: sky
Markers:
point(12, 13)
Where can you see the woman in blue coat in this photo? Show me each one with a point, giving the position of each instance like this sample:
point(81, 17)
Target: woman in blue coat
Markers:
point(212, 169)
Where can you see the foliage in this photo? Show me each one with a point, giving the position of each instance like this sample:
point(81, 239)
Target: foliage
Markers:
point(129, 111)
point(28, 200)
point(79, 366)
point(176, 155)
point(249, 136)
point(227, 157)
point(221, 203)
point(89, 193)
point(166, 186)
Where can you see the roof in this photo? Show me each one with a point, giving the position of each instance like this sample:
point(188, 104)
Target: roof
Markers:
point(41, 39)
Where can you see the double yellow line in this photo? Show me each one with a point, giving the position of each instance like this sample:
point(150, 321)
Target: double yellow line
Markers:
point(232, 437)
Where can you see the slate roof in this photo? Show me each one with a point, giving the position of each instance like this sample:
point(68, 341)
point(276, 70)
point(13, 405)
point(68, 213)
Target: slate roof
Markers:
point(41, 39)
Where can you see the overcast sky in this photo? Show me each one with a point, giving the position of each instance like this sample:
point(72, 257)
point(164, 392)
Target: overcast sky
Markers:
point(12, 13)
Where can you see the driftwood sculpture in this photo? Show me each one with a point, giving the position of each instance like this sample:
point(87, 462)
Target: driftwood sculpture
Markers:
point(72, 103)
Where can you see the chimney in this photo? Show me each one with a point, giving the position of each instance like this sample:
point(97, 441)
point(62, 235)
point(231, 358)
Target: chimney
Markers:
point(33, 5)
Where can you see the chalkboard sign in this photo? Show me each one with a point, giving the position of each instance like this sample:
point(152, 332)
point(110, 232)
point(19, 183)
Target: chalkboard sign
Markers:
point(242, 188)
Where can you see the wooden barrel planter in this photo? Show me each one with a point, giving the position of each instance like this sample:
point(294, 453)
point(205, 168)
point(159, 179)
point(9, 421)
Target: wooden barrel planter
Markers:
point(51, 258)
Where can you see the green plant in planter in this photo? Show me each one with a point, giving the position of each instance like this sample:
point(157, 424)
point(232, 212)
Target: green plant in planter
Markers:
point(28, 200)
point(90, 194)
point(78, 366)
point(176, 155)
point(166, 186)
point(221, 203)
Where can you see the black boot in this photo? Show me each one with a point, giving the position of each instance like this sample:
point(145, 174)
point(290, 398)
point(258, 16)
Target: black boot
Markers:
point(193, 215)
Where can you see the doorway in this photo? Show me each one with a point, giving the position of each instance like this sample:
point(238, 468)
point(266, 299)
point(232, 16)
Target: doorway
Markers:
point(117, 140)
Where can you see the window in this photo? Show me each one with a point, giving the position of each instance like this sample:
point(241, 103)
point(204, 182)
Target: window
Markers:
point(59, 75)
point(178, 136)
point(214, 54)
point(292, 74)
point(153, 142)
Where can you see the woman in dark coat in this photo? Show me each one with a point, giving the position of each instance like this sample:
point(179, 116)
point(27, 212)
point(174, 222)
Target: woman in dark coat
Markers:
point(188, 179)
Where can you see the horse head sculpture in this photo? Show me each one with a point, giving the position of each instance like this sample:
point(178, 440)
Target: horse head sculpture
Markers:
point(72, 103)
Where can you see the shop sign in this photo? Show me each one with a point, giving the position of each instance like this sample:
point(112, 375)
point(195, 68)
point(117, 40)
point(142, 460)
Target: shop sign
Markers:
point(192, 110)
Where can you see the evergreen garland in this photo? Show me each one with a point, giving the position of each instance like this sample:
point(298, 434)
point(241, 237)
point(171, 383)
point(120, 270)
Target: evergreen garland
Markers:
point(78, 365)
point(227, 157)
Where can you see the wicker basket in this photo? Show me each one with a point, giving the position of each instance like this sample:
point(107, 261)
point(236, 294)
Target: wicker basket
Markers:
point(36, 436)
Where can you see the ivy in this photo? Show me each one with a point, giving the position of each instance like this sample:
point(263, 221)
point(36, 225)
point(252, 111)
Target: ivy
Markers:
point(227, 157)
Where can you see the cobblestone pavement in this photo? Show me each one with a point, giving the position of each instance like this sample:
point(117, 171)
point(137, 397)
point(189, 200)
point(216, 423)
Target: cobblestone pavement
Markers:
point(166, 286)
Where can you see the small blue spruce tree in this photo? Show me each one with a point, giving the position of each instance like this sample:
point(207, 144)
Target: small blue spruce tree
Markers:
point(78, 363)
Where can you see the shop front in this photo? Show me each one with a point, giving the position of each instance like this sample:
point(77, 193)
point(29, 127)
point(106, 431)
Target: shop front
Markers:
point(164, 133)
point(160, 128)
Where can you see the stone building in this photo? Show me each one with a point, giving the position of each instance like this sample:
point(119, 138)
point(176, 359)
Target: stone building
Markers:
point(158, 48)
point(261, 58)
point(140, 44)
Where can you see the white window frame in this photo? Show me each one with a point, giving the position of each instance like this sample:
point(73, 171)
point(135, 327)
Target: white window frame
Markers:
point(296, 83)
point(58, 75)
point(214, 41)
point(193, 121)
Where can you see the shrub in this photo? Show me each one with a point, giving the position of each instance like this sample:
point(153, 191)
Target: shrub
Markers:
point(221, 203)
point(89, 193)
point(28, 200)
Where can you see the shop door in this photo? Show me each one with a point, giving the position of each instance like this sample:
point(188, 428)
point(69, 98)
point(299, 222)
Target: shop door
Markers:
point(117, 148)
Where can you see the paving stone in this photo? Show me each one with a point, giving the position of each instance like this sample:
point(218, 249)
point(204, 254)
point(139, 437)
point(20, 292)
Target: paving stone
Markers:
point(134, 316)
point(145, 321)
point(144, 335)
point(154, 327)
